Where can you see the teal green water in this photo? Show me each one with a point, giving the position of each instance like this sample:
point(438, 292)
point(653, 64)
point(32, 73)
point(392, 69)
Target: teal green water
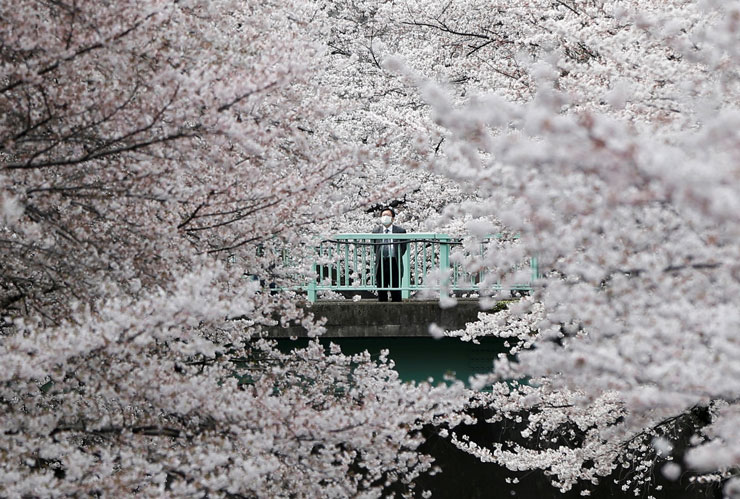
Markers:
point(418, 359)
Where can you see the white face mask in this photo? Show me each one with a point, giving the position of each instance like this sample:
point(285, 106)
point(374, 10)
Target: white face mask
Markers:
point(386, 220)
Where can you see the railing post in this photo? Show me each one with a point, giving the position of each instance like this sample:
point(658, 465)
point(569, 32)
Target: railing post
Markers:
point(311, 291)
point(444, 260)
point(406, 276)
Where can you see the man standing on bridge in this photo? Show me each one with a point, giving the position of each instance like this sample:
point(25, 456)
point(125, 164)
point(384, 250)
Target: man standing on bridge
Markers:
point(389, 258)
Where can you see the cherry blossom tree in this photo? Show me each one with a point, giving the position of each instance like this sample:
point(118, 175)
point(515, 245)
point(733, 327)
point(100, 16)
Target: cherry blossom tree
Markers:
point(118, 115)
point(606, 136)
point(145, 147)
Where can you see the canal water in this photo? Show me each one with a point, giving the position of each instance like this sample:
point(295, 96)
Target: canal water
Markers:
point(421, 358)
point(463, 475)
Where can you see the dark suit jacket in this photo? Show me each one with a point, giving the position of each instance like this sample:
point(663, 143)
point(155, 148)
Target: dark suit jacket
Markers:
point(399, 248)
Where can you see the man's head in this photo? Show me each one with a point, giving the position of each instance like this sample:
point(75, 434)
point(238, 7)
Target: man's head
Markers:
point(387, 216)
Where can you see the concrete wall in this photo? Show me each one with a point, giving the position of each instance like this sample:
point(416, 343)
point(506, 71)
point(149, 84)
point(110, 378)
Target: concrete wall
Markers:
point(366, 318)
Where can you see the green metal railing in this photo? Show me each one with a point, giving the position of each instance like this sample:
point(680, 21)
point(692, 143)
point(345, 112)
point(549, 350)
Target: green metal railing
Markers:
point(347, 262)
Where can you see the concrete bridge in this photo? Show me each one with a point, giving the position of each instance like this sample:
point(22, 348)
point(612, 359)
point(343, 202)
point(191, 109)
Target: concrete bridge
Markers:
point(367, 318)
point(430, 263)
